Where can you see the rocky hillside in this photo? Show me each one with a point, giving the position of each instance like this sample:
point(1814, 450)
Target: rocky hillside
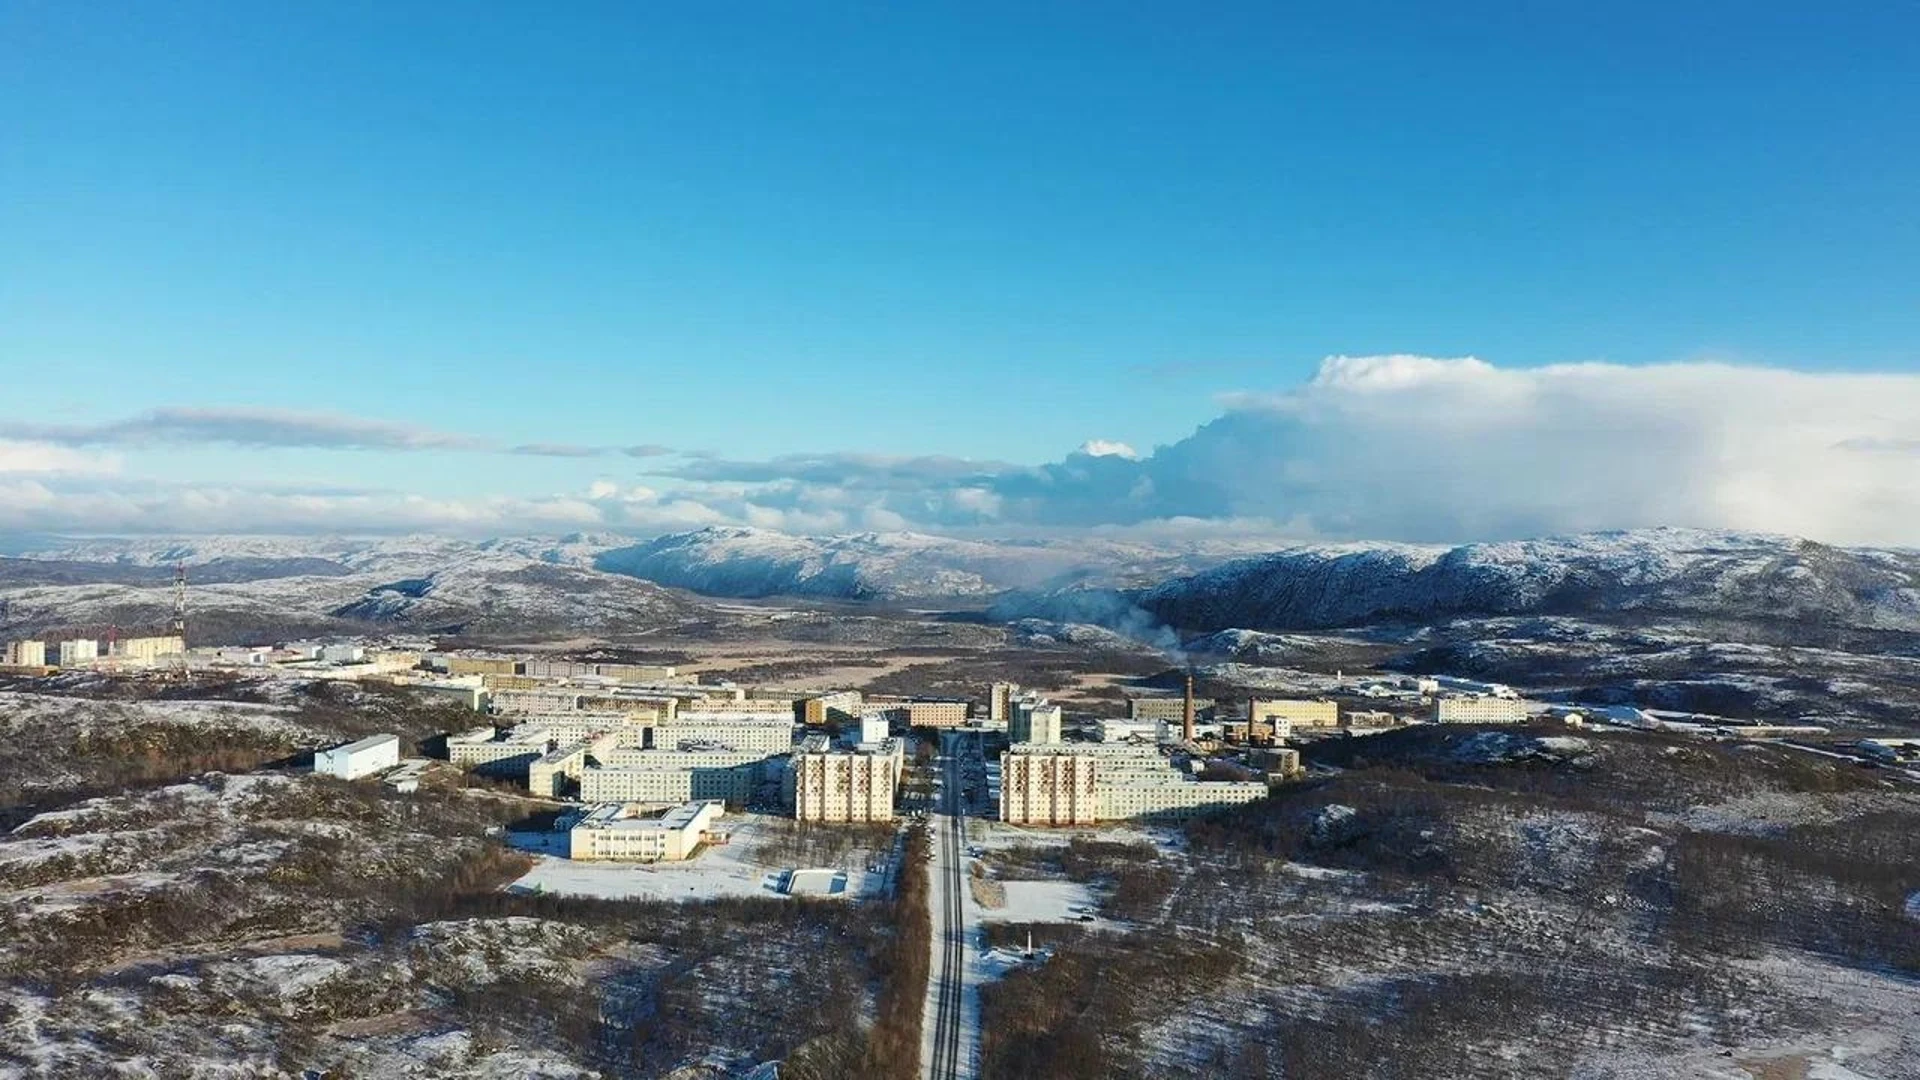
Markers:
point(249, 588)
point(1648, 573)
point(894, 566)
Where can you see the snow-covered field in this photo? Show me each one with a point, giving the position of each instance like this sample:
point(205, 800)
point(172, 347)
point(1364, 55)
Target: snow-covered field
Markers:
point(739, 868)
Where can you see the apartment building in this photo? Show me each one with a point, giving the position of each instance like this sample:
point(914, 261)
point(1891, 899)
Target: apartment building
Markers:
point(846, 786)
point(511, 752)
point(148, 650)
point(655, 777)
point(933, 713)
point(549, 776)
point(1034, 721)
point(838, 707)
point(1083, 784)
point(1479, 710)
point(24, 653)
point(765, 733)
point(1168, 708)
point(1000, 699)
point(78, 651)
point(1050, 787)
point(1280, 716)
point(622, 833)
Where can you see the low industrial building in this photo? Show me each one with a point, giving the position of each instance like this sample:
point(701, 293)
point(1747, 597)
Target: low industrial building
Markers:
point(846, 786)
point(1479, 710)
point(357, 759)
point(619, 832)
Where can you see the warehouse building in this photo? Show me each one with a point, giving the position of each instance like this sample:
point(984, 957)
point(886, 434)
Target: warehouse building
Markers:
point(357, 759)
point(620, 832)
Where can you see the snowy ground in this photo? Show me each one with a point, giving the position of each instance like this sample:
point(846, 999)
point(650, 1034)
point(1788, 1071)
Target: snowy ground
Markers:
point(734, 869)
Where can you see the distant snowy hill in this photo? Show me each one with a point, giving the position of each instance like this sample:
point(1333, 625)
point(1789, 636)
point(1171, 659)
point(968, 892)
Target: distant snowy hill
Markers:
point(245, 588)
point(1666, 572)
point(740, 562)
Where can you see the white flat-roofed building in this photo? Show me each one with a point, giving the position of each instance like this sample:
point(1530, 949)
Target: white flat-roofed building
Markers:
point(78, 651)
point(874, 727)
point(545, 699)
point(1173, 797)
point(357, 759)
point(1479, 710)
point(619, 832)
point(768, 734)
point(1282, 715)
point(1034, 721)
point(1083, 784)
point(673, 776)
point(148, 650)
point(510, 752)
point(843, 786)
point(25, 653)
point(547, 777)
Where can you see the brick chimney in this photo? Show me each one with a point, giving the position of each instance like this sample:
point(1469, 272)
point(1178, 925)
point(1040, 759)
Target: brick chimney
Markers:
point(1186, 711)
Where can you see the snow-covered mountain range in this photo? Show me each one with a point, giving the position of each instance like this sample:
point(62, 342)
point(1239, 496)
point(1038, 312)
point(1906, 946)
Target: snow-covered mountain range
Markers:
point(902, 566)
point(589, 583)
point(1653, 572)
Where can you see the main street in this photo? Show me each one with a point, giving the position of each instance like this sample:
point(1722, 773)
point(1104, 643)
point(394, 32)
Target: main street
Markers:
point(952, 1013)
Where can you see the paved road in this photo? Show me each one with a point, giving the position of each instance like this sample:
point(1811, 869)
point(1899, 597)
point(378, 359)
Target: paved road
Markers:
point(951, 1057)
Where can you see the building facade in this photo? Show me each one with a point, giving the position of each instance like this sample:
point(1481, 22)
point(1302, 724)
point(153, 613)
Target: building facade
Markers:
point(621, 833)
point(25, 653)
point(1034, 722)
point(357, 759)
point(1479, 710)
point(846, 786)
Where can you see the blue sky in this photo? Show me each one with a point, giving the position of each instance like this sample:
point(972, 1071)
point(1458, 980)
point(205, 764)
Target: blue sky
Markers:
point(977, 231)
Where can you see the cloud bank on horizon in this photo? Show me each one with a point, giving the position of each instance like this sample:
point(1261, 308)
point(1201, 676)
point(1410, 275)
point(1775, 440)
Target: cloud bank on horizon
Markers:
point(1380, 447)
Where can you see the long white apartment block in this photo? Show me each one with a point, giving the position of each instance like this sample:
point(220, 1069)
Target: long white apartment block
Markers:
point(767, 733)
point(1479, 710)
point(1087, 783)
point(512, 751)
point(672, 776)
point(24, 653)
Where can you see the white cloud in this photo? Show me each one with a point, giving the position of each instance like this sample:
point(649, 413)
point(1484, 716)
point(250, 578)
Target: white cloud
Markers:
point(1387, 447)
point(39, 457)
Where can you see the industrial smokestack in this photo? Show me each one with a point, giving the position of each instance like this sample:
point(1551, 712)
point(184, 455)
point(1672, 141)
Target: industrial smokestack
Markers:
point(1186, 710)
